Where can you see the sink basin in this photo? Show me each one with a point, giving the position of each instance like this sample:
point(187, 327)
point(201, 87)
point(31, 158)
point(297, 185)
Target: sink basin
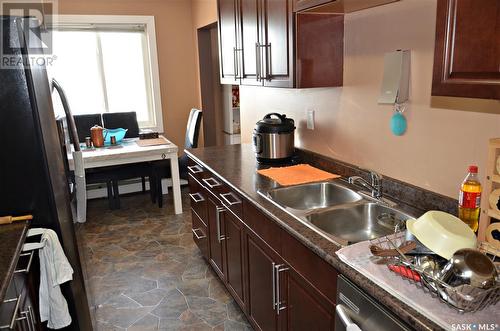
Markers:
point(359, 222)
point(313, 196)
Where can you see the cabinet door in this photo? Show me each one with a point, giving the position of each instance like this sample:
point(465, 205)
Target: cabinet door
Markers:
point(233, 232)
point(305, 307)
point(228, 41)
point(215, 236)
point(250, 41)
point(261, 261)
point(467, 53)
point(278, 47)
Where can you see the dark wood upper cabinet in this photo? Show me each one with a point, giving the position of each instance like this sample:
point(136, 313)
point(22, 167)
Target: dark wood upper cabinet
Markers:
point(259, 44)
point(277, 43)
point(320, 47)
point(228, 41)
point(467, 51)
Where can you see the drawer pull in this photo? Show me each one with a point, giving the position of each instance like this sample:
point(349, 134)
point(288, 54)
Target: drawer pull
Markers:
point(13, 319)
point(196, 169)
point(28, 267)
point(197, 197)
point(279, 269)
point(233, 196)
point(219, 210)
point(198, 237)
point(211, 182)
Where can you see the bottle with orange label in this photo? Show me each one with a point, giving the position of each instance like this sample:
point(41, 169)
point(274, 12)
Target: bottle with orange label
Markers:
point(469, 200)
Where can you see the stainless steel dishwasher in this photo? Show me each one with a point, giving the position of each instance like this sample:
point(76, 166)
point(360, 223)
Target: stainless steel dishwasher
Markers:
point(356, 311)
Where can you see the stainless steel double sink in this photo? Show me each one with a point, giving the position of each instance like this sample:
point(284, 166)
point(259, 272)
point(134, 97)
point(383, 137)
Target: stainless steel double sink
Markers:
point(338, 210)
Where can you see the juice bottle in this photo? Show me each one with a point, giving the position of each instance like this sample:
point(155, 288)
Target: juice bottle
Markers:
point(469, 200)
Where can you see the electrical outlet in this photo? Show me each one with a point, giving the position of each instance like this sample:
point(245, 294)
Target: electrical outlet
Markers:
point(310, 119)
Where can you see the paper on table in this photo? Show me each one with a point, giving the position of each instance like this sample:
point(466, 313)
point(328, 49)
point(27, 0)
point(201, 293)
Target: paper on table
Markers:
point(358, 257)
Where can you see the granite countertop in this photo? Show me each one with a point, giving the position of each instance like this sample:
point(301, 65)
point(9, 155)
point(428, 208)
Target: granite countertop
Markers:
point(11, 240)
point(236, 165)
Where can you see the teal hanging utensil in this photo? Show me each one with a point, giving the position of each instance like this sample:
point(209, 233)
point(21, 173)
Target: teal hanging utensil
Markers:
point(398, 121)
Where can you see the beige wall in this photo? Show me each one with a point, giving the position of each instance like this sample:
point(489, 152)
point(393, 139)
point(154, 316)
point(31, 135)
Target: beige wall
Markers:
point(351, 126)
point(176, 51)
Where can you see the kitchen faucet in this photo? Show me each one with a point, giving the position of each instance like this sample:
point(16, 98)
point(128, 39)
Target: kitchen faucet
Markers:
point(375, 186)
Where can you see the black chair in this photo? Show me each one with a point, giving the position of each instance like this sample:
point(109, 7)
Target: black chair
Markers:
point(161, 169)
point(83, 124)
point(125, 120)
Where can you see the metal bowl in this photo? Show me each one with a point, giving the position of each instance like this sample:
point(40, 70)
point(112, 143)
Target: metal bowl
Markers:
point(469, 267)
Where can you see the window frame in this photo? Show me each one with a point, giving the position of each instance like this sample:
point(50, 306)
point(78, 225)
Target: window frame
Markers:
point(150, 48)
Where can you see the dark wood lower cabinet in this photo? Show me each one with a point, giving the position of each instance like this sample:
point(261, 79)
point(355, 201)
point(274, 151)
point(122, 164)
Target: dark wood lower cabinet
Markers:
point(261, 262)
point(233, 241)
point(306, 308)
point(278, 282)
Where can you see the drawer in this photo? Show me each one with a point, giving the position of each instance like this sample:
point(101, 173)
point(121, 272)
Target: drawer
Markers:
point(200, 234)
point(196, 170)
point(262, 226)
point(198, 197)
point(310, 266)
point(9, 308)
point(228, 198)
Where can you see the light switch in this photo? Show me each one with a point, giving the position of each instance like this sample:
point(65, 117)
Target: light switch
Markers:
point(310, 119)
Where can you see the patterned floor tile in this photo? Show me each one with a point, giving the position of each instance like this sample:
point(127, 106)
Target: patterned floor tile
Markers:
point(144, 272)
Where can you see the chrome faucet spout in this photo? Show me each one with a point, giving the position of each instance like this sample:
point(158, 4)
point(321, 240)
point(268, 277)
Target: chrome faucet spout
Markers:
point(375, 186)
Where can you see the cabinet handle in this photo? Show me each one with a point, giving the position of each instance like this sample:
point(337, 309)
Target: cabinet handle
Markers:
point(268, 61)
point(197, 197)
point(279, 268)
point(235, 61)
point(231, 194)
point(13, 319)
point(219, 210)
point(32, 317)
point(26, 317)
point(257, 61)
point(211, 182)
point(198, 237)
point(195, 169)
point(28, 267)
point(274, 285)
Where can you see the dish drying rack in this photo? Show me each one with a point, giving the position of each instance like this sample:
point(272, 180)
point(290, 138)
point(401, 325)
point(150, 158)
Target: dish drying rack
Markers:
point(463, 298)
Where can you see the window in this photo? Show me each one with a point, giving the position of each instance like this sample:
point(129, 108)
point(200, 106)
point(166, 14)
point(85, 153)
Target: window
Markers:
point(107, 67)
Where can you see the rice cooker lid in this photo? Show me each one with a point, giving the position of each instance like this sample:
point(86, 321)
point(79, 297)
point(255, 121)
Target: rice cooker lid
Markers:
point(277, 124)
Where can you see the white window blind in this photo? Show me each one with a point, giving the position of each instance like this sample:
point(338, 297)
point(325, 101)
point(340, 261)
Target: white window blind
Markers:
point(105, 68)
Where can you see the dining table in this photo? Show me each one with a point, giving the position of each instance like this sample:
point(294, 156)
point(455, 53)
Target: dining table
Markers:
point(128, 151)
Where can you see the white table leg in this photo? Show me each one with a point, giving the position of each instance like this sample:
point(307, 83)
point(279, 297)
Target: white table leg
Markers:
point(176, 183)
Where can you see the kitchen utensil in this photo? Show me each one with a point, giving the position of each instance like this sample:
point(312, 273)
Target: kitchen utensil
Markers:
point(493, 236)
point(442, 233)
point(118, 133)
point(405, 272)
point(420, 249)
point(273, 139)
point(97, 135)
point(471, 267)
point(11, 219)
point(404, 248)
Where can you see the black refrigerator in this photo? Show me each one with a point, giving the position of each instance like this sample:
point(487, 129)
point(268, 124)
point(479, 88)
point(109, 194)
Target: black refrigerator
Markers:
point(32, 173)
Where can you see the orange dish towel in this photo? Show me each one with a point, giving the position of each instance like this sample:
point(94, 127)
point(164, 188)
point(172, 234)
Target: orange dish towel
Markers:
point(297, 174)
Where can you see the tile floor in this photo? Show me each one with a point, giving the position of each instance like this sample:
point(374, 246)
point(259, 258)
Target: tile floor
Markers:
point(145, 272)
